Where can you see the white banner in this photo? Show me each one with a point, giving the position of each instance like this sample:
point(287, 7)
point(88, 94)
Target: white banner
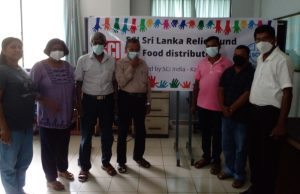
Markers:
point(172, 47)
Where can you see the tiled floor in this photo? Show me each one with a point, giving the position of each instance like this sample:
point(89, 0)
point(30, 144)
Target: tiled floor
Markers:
point(162, 178)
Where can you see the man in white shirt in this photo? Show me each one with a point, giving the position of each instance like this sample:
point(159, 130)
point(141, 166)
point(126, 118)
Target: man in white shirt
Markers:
point(270, 96)
point(94, 77)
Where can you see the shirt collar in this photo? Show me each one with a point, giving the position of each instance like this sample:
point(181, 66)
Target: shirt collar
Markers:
point(272, 55)
point(105, 57)
point(216, 62)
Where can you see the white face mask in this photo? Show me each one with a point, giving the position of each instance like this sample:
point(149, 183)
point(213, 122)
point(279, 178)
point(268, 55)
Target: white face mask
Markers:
point(98, 49)
point(212, 51)
point(264, 46)
point(57, 55)
point(132, 55)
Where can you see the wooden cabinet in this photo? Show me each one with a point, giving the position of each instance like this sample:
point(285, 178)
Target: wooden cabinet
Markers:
point(157, 122)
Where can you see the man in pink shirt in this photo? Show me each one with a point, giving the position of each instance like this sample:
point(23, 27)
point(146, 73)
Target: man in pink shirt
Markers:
point(206, 99)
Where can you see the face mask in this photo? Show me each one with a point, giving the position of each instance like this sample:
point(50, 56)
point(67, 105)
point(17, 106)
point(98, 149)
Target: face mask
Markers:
point(132, 55)
point(238, 60)
point(212, 51)
point(98, 49)
point(264, 47)
point(57, 55)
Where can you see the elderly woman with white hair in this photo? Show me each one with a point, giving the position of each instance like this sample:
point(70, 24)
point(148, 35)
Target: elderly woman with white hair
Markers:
point(95, 83)
point(54, 79)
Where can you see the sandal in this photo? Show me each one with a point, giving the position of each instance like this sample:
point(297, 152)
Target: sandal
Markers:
point(222, 175)
point(122, 168)
point(109, 169)
point(67, 175)
point(215, 169)
point(238, 183)
point(83, 176)
point(201, 163)
point(143, 163)
point(56, 185)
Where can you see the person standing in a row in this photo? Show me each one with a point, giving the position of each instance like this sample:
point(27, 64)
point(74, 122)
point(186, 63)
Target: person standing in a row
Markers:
point(17, 98)
point(234, 91)
point(206, 99)
point(133, 103)
point(270, 96)
point(94, 77)
point(55, 83)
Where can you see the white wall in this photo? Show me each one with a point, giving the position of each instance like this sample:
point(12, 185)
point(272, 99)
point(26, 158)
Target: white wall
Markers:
point(140, 7)
point(278, 8)
point(242, 8)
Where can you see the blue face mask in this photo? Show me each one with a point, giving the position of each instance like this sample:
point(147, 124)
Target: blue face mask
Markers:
point(98, 49)
point(212, 51)
point(132, 55)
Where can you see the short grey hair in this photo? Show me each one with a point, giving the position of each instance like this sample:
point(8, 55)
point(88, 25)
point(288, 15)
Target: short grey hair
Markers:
point(98, 35)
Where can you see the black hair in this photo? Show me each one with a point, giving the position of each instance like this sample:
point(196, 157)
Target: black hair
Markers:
point(54, 41)
point(4, 44)
point(244, 47)
point(265, 29)
point(134, 41)
point(212, 38)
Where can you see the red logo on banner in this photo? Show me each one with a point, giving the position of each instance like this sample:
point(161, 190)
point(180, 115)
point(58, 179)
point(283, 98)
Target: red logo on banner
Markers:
point(113, 48)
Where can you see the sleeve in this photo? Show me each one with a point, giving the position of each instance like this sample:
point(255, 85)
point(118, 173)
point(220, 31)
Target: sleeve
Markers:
point(78, 74)
point(249, 80)
point(36, 75)
point(285, 73)
point(123, 75)
point(3, 79)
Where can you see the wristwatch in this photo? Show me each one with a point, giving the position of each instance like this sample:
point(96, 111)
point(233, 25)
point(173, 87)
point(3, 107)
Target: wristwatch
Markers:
point(148, 104)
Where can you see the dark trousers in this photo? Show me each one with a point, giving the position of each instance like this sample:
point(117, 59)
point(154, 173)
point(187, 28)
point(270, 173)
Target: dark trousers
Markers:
point(131, 107)
point(263, 150)
point(210, 124)
point(54, 151)
point(93, 108)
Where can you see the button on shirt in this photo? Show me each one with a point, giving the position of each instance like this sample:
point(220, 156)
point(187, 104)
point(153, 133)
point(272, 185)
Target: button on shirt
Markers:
point(209, 75)
point(97, 77)
point(270, 78)
point(133, 80)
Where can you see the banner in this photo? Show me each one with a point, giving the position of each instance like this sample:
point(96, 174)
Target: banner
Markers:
point(172, 47)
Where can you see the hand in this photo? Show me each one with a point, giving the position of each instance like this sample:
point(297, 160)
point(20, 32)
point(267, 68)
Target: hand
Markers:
point(278, 132)
point(226, 111)
point(52, 105)
point(148, 108)
point(5, 136)
point(193, 109)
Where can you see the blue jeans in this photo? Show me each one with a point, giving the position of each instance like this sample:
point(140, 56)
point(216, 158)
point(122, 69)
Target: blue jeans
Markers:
point(234, 147)
point(93, 108)
point(14, 161)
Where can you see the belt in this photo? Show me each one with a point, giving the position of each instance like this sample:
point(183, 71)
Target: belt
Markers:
point(98, 97)
point(138, 95)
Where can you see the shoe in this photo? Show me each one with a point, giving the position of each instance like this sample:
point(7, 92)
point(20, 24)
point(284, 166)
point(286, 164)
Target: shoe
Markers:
point(109, 169)
point(143, 163)
point(202, 163)
point(56, 185)
point(122, 168)
point(248, 191)
point(238, 183)
point(215, 169)
point(67, 175)
point(83, 176)
point(222, 175)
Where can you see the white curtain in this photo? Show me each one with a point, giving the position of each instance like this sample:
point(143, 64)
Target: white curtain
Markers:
point(74, 35)
point(212, 8)
point(191, 8)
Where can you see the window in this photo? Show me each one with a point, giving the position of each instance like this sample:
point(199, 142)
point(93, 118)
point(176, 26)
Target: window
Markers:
point(191, 8)
point(41, 21)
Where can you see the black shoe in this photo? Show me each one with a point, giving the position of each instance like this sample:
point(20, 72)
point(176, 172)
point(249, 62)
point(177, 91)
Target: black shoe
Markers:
point(248, 191)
